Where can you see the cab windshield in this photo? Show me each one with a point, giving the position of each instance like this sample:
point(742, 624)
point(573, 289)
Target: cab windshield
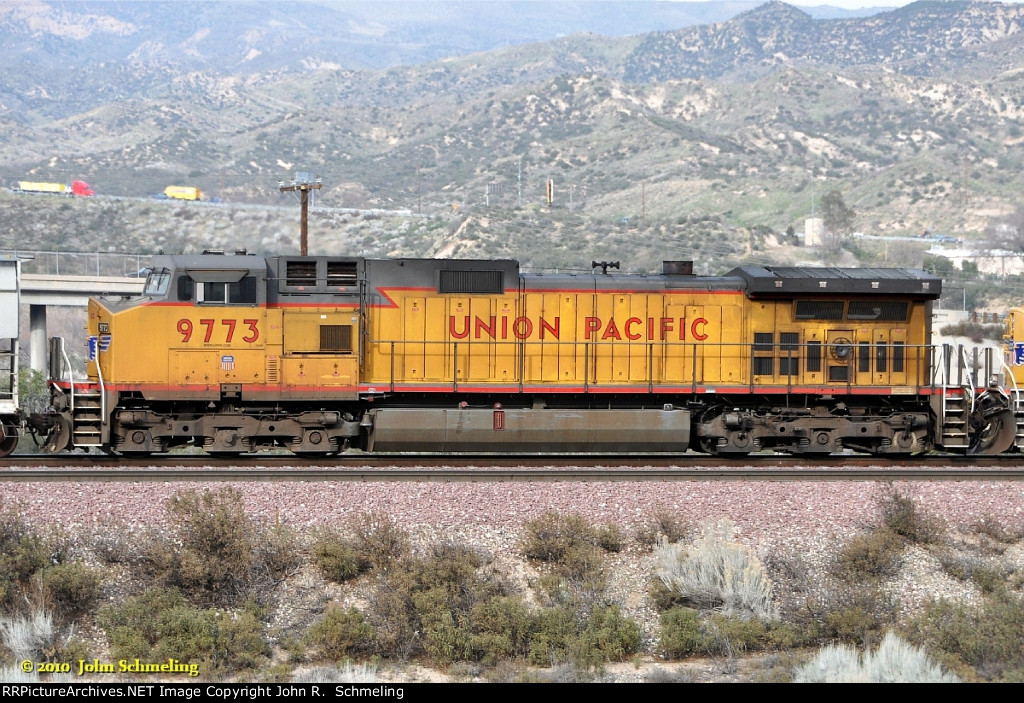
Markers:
point(157, 282)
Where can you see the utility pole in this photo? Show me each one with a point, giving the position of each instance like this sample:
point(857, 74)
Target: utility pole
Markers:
point(302, 182)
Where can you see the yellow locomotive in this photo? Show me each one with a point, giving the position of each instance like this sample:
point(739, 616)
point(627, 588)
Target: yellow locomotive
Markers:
point(325, 354)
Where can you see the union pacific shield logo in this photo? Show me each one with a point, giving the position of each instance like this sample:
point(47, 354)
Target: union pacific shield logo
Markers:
point(101, 343)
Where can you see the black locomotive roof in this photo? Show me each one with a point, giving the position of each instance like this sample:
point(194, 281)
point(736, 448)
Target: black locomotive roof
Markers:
point(768, 281)
point(499, 275)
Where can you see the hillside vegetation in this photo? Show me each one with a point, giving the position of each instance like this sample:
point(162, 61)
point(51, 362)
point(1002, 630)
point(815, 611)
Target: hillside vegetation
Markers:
point(692, 143)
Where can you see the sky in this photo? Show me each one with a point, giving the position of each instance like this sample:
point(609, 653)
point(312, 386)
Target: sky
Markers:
point(855, 4)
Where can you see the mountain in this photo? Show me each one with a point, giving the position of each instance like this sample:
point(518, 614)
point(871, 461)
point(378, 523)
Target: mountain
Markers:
point(727, 130)
point(925, 38)
point(63, 57)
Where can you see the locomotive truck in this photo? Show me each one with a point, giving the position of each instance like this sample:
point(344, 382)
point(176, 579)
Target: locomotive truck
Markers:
point(326, 354)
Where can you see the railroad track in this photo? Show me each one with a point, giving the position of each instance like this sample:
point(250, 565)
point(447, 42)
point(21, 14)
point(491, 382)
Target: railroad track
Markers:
point(505, 468)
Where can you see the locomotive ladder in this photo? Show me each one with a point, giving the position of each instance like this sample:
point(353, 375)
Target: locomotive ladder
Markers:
point(86, 401)
point(957, 397)
point(87, 417)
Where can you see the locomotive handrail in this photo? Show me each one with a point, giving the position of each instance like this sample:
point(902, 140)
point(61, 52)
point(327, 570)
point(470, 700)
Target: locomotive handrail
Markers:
point(795, 357)
point(70, 369)
point(972, 384)
point(99, 377)
point(1008, 373)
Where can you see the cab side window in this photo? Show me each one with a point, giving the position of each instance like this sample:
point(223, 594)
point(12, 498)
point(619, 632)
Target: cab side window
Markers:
point(241, 292)
point(186, 288)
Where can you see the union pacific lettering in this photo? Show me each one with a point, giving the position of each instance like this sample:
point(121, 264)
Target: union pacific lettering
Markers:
point(651, 329)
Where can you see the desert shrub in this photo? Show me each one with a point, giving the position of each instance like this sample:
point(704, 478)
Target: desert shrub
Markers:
point(71, 589)
point(378, 539)
point(730, 635)
point(338, 558)
point(994, 537)
point(554, 537)
point(372, 540)
point(12, 673)
point(988, 639)
point(777, 667)
point(608, 537)
point(563, 672)
point(395, 622)
point(427, 605)
point(349, 673)
point(663, 525)
point(874, 555)
point(663, 597)
point(215, 554)
point(573, 550)
point(902, 517)
point(29, 636)
point(895, 661)
point(579, 579)
point(604, 635)
point(341, 633)
point(23, 552)
point(826, 607)
point(512, 671)
point(238, 642)
point(716, 573)
point(555, 629)
point(501, 629)
point(610, 634)
point(161, 624)
point(986, 573)
point(659, 675)
point(114, 545)
point(36, 637)
point(680, 633)
point(684, 632)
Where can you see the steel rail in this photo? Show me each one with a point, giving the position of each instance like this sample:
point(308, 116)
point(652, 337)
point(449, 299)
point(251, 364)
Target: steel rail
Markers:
point(492, 475)
point(511, 460)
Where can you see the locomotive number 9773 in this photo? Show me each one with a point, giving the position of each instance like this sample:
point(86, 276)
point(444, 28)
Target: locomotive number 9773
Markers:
point(325, 355)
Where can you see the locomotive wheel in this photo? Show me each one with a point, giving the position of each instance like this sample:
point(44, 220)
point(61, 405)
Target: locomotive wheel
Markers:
point(997, 436)
point(9, 439)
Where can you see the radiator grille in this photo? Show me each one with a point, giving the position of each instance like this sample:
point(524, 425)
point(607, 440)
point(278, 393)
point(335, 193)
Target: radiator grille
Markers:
point(336, 338)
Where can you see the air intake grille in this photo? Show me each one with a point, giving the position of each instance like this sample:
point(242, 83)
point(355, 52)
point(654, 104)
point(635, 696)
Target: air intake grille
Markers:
point(471, 282)
point(885, 312)
point(341, 273)
point(300, 273)
point(819, 310)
